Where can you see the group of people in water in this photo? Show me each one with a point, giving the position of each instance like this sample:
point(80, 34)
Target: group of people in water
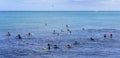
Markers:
point(67, 29)
point(110, 35)
point(49, 46)
point(57, 47)
point(105, 36)
point(18, 36)
point(54, 32)
point(29, 34)
point(75, 43)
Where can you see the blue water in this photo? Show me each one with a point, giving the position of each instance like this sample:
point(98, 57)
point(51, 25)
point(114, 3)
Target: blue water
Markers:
point(95, 23)
point(17, 21)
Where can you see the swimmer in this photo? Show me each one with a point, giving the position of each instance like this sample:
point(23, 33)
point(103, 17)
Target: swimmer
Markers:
point(29, 34)
point(58, 34)
point(62, 30)
point(56, 47)
point(111, 35)
point(70, 32)
point(83, 28)
point(77, 43)
point(49, 47)
point(54, 32)
point(92, 39)
point(105, 36)
point(46, 24)
point(8, 34)
point(18, 36)
point(67, 26)
point(68, 46)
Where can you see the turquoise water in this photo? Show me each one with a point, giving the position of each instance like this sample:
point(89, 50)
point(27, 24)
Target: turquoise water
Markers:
point(17, 21)
point(95, 23)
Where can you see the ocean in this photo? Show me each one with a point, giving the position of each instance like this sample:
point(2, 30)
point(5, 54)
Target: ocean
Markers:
point(10, 21)
point(41, 25)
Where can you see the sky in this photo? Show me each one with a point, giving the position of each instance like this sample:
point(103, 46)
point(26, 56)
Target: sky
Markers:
point(59, 5)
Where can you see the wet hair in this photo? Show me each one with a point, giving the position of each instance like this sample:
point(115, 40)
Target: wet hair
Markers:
point(19, 37)
point(49, 46)
point(92, 39)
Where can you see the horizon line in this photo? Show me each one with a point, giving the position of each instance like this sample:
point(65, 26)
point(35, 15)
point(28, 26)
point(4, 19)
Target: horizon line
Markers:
point(53, 11)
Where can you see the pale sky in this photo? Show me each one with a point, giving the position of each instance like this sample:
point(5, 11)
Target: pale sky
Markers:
point(59, 5)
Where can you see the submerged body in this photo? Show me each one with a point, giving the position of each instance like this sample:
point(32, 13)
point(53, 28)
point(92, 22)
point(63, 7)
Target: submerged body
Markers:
point(18, 36)
point(8, 34)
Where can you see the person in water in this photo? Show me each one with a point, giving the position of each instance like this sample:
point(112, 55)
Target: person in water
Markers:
point(56, 47)
point(29, 34)
point(54, 32)
point(105, 36)
point(18, 36)
point(70, 32)
point(58, 34)
point(49, 47)
point(92, 39)
point(46, 24)
point(77, 43)
point(69, 46)
point(8, 34)
point(111, 35)
point(67, 26)
point(62, 30)
point(83, 29)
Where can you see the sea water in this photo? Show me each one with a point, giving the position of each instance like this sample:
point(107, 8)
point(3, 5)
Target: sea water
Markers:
point(41, 25)
point(17, 21)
